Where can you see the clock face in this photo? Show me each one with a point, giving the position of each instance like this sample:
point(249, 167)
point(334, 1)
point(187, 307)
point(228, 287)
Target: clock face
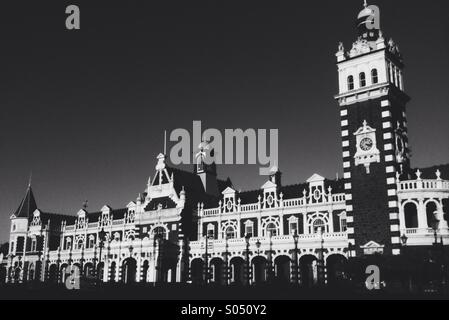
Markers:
point(366, 144)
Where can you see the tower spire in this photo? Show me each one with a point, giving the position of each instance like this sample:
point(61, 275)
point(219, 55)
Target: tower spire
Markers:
point(29, 179)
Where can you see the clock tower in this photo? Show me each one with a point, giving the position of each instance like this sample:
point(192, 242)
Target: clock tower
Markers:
point(372, 103)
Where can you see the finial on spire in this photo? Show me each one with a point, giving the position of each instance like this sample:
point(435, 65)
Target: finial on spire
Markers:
point(29, 179)
point(165, 142)
point(365, 4)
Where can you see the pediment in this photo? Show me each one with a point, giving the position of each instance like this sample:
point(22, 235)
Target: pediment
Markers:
point(315, 178)
point(228, 190)
point(269, 185)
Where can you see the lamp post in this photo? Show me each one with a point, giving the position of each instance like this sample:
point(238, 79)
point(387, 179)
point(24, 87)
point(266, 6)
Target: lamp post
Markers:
point(320, 264)
point(206, 262)
point(270, 259)
point(258, 244)
point(404, 240)
point(295, 258)
point(101, 236)
point(247, 280)
point(226, 268)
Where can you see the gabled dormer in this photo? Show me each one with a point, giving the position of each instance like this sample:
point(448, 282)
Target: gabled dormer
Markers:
point(317, 192)
point(81, 221)
point(106, 217)
point(270, 197)
point(229, 200)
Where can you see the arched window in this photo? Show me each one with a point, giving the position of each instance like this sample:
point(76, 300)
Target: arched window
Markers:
point(159, 233)
point(271, 229)
point(431, 207)
point(210, 231)
point(362, 79)
point(350, 83)
point(411, 215)
point(374, 76)
point(80, 243)
point(230, 232)
point(91, 242)
point(318, 225)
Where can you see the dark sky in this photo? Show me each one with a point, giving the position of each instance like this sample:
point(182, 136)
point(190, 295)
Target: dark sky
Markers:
point(85, 110)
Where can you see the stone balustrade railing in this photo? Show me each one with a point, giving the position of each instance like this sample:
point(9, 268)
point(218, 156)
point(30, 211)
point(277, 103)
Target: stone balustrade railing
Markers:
point(283, 203)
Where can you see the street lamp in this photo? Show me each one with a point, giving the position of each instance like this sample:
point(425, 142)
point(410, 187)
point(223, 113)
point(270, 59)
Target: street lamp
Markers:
point(295, 239)
point(226, 268)
point(247, 237)
point(404, 239)
point(270, 259)
point(258, 244)
point(320, 271)
point(101, 236)
point(206, 260)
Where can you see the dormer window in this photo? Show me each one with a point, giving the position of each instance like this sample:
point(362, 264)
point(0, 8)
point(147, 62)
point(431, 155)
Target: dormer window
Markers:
point(374, 76)
point(350, 83)
point(362, 79)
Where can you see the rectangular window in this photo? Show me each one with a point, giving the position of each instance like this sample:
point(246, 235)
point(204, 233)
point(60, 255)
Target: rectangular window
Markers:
point(249, 230)
point(33, 245)
point(343, 225)
point(293, 227)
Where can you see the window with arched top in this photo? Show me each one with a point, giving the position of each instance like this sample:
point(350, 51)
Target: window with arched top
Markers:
point(159, 233)
point(271, 229)
point(431, 207)
point(318, 225)
point(91, 242)
point(80, 244)
point(411, 215)
point(362, 79)
point(230, 232)
point(210, 231)
point(350, 83)
point(374, 76)
point(68, 243)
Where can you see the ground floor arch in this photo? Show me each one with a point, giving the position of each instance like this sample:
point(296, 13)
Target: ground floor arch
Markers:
point(282, 268)
point(307, 269)
point(217, 270)
point(129, 267)
point(259, 267)
point(237, 265)
point(335, 268)
point(197, 270)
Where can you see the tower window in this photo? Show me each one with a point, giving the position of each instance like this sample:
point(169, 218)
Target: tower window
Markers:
point(374, 76)
point(362, 79)
point(350, 83)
